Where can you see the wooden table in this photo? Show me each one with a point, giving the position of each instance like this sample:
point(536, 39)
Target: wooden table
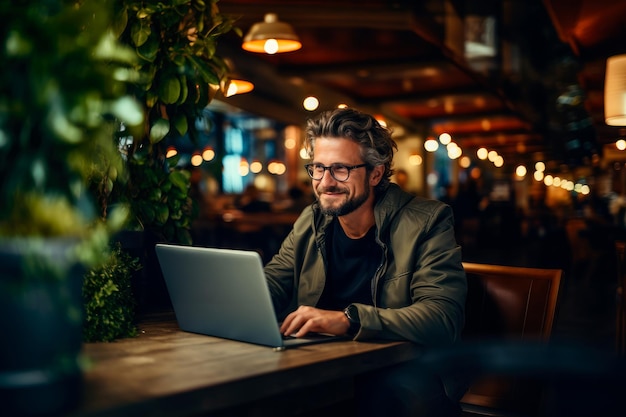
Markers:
point(168, 372)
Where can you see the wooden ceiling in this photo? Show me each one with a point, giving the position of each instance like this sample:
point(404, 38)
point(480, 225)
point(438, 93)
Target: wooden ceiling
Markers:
point(539, 96)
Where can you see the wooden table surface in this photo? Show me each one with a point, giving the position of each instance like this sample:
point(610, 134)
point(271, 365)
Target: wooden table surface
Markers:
point(167, 372)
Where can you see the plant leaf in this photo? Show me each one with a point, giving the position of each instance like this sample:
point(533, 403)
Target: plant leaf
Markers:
point(162, 213)
point(149, 49)
point(159, 130)
point(180, 180)
point(184, 90)
point(128, 110)
point(180, 123)
point(206, 71)
point(170, 90)
point(140, 32)
point(120, 21)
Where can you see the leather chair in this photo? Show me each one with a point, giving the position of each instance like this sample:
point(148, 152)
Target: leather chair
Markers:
point(507, 305)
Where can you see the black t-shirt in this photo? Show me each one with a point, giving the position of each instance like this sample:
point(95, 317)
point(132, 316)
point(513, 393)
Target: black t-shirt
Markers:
point(352, 264)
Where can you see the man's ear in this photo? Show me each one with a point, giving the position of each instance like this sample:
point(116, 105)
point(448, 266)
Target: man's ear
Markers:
point(377, 175)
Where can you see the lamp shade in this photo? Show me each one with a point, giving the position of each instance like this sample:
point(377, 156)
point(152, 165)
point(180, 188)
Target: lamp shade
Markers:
point(237, 86)
point(271, 36)
point(615, 91)
point(233, 83)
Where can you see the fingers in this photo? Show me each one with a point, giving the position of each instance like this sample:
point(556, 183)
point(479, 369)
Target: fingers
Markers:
point(310, 319)
point(296, 320)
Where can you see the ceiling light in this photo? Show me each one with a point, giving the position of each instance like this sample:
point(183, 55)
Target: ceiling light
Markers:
point(431, 145)
point(415, 160)
point(236, 86)
point(208, 154)
point(233, 83)
point(615, 91)
point(445, 138)
point(311, 103)
point(271, 37)
point(171, 152)
point(540, 166)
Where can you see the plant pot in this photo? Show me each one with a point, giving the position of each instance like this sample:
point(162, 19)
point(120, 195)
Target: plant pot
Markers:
point(41, 313)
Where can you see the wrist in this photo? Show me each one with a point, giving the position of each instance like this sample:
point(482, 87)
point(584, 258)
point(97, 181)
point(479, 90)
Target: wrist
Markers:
point(352, 314)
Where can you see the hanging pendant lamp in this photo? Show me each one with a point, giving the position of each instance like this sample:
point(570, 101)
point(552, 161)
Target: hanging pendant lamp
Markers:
point(271, 37)
point(237, 86)
point(233, 83)
point(615, 91)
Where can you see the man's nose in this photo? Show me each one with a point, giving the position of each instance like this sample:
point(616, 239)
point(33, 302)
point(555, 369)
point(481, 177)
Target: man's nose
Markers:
point(327, 177)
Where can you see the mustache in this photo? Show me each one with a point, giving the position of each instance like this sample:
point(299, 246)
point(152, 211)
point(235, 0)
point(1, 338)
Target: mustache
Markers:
point(330, 190)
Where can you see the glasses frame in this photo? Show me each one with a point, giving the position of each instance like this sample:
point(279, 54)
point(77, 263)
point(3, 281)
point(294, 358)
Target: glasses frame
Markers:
point(330, 169)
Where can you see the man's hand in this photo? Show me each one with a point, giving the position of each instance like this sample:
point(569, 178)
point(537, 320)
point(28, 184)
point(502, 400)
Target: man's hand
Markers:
point(310, 319)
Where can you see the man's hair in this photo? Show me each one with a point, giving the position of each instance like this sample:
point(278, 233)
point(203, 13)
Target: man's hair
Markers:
point(377, 146)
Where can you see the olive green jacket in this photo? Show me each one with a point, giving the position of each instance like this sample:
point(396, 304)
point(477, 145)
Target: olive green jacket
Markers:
point(419, 289)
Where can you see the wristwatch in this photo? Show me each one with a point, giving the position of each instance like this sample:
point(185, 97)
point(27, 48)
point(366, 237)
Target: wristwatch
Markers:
point(352, 314)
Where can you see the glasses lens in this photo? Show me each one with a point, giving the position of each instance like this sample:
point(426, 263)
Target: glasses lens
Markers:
point(315, 171)
point(340, 172)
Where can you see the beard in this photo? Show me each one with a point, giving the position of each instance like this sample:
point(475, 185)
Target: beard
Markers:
point(348, 206)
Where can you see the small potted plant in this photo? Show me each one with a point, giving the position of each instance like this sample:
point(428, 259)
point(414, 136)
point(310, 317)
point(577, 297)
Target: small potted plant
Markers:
point(62, 87)
point(109, 299)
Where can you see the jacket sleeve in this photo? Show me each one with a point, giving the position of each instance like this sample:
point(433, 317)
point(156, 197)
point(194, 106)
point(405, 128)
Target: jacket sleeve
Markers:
point(283, 270)
point(279, 273)
point(422, 295)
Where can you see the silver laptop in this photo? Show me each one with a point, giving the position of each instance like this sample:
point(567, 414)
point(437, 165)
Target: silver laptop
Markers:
point(224, 293)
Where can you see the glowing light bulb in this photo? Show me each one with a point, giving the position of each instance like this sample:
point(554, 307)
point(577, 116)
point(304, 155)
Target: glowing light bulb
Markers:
point(540, 166)
point(310, 103)
point(208, 154)
point(271, 46)
point(196, 159)
point(171, 151)
point(431, 145)
point(256, 167)
point(445, 138)
point(415, 160)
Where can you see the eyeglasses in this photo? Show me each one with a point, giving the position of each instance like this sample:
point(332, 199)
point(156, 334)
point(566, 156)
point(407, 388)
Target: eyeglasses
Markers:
point(339, 172)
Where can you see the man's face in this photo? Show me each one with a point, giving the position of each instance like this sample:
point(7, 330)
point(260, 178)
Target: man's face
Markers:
point(340, 198)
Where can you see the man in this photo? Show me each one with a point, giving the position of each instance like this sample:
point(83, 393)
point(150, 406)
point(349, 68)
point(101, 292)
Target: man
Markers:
point(372, 261)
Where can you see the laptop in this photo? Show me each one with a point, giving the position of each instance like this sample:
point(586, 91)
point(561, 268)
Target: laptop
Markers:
point(224, 293)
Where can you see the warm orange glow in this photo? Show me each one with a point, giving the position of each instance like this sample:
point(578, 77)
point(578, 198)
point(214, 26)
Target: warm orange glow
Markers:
point(238, 87)
point(271, 46)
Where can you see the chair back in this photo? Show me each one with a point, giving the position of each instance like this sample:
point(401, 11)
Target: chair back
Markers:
point(508, 303)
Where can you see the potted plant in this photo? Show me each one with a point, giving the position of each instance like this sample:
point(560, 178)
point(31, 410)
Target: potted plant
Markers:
point(175, 44)
point(62, 86)
point(109, 299)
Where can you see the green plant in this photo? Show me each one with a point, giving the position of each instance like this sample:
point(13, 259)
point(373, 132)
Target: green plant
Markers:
point(175, 43)
point(61, 86)
point(160, 199)
point(108, 298)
